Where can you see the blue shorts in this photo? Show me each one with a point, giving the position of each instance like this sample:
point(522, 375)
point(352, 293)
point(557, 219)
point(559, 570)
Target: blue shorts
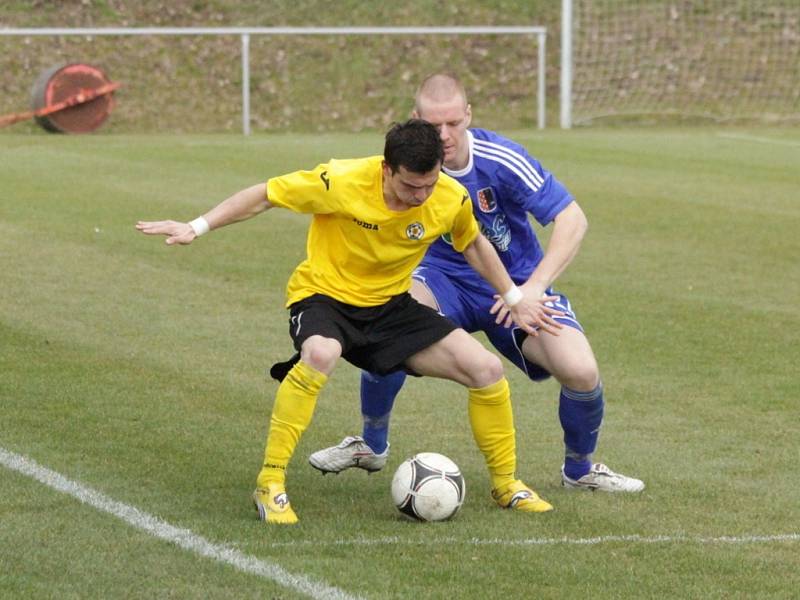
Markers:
point(468, 306)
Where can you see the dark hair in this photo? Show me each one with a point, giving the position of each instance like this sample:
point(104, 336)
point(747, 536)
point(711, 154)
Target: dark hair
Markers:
point(415, 145)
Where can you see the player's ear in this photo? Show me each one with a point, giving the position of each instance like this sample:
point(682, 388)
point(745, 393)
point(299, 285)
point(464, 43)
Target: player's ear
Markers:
point(415, 114)
point(468, 112)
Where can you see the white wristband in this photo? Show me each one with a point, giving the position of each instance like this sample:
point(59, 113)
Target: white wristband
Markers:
point(512, 296)
point(200, 226)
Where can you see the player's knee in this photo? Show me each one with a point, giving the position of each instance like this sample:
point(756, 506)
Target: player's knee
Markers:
point(583, 378)
point(321, 353)
point(487, 370)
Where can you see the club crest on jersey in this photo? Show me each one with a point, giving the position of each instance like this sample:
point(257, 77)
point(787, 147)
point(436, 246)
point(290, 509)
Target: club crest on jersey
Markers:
point(415, 231)
point(486, 201)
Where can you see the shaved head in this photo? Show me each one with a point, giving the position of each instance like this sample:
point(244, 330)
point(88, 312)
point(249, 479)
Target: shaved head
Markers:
point(438, 88)
point(442, 102)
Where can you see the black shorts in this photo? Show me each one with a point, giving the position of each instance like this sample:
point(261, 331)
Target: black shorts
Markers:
point(376, 338)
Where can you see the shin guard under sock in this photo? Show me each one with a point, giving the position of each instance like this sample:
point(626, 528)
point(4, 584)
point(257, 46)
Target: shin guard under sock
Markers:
point(377, 399)
point(291, 415)
point(581, 414)
point(492, 423)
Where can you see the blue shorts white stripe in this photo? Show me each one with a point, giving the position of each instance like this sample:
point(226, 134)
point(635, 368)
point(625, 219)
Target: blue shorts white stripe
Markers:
point(469, 308)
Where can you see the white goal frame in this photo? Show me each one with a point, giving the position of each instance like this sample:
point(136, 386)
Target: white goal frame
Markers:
point(566, 64)
point(245, 32)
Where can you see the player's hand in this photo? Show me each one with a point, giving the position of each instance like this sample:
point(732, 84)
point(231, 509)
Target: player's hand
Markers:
point(529, 314)
point(177, 233)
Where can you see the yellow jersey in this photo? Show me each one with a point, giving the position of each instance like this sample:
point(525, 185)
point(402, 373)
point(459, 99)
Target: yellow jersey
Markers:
point(358, 251)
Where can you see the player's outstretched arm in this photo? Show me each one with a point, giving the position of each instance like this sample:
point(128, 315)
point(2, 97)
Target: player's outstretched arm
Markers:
point(569, 228)
point(242, 205)
point(529, 313)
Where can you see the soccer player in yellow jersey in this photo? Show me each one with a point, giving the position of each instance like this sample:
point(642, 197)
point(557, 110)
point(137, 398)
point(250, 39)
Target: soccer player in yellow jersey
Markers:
point(374, 218)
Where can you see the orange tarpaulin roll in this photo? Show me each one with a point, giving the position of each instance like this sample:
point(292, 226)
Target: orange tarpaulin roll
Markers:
point(78, 98)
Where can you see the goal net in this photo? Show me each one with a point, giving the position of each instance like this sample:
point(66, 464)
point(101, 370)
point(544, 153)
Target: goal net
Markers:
point(724, 60)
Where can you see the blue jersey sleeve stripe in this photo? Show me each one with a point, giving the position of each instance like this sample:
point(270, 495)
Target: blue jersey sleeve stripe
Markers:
point(524, 177)
point(513, 156)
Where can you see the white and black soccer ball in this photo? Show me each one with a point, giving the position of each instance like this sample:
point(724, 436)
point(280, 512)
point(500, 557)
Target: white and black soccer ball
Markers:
point(428, 487)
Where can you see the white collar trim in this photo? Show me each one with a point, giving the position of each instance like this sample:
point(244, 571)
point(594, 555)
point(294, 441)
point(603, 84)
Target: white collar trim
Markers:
point(468, 168)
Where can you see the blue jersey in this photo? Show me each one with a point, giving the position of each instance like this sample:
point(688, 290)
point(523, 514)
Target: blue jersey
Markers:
point(505, 184)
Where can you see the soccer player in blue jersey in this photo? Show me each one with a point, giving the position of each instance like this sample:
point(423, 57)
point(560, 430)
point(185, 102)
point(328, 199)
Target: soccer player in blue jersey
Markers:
point(505, 184)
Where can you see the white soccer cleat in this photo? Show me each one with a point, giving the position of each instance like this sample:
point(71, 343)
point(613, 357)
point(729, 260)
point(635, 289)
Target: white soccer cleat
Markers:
point(600, 477)
point(351, 452)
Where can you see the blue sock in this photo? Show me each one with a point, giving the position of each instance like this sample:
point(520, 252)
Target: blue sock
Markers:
point(581, 414)
point(377, 398)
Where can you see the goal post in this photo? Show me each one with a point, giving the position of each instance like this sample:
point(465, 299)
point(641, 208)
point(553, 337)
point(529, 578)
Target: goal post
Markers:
point(647, 60)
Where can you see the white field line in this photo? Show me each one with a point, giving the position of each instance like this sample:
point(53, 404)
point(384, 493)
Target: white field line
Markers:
point(755, 138)
point(606, 539)
point(199, 545)
point(184, 538)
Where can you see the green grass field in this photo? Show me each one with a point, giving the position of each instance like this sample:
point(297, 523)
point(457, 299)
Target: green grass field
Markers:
point(139, 371)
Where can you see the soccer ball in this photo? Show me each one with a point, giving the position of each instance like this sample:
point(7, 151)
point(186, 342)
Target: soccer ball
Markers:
point(428, 487)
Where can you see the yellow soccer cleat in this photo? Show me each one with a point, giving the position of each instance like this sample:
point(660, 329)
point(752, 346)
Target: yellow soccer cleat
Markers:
point(273, 505)
point(518, 496)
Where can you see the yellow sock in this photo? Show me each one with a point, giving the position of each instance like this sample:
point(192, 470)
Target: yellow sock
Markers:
point(291, 414)
point(493, 428)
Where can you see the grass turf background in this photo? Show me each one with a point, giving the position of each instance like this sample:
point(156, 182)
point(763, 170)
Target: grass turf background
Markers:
point(140, 370)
